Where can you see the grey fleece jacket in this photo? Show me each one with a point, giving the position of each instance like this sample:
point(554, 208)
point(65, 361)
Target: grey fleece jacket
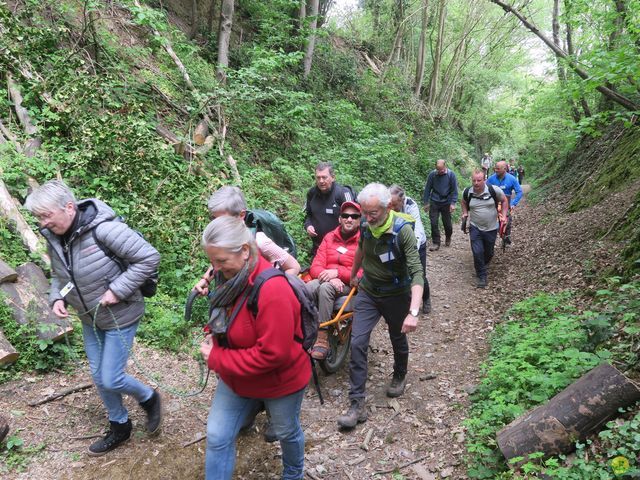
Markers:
point(92, 272)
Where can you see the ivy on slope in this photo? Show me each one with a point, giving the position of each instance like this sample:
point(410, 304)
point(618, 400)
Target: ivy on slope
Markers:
point(543, 345)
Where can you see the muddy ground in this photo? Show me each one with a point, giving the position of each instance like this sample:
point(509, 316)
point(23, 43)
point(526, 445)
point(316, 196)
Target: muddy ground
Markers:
point(420, 432)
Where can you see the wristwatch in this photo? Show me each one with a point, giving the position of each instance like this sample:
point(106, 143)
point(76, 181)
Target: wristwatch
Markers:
point(414, 312)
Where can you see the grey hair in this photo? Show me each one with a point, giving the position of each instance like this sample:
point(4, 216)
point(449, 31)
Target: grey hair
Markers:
point(227, 199)
point(229, 233)
point(396, 189)
point(377, 190)
point(52, 195)
point(444, 162)
point(323, 166)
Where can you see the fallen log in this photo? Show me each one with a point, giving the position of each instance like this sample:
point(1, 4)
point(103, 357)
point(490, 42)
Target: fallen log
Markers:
point(35, 276)
point(180, 147)
point(200, 133)
point(60, 394)
point(28, 303)
point(7, 274)
point(9, 210)
point(8, 354)
point(579, 410)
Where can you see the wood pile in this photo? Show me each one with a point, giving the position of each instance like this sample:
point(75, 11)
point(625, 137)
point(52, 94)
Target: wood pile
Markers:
point(25, 292)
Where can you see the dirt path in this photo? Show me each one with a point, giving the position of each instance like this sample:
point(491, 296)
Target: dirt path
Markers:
point(424, 424)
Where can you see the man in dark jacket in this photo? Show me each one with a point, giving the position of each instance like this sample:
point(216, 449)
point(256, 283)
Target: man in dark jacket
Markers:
point(439, 198)
point(98, 265)
point(322, 207)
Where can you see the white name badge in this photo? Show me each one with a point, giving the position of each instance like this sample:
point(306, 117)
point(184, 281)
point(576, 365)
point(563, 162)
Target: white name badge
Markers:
point(342, 250)
point(66, 289)
point(387, 257)
point(329, 211)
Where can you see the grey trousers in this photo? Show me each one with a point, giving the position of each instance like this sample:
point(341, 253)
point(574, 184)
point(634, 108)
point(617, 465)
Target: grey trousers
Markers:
point(325, 295)
point(367, 312)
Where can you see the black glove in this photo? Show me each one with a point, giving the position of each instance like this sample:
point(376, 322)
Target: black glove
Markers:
point(463, 225)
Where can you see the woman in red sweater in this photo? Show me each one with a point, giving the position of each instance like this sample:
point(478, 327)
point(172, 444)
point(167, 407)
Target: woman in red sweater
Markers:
point(256, 358)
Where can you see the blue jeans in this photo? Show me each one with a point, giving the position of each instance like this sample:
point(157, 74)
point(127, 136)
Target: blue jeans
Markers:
point(482, 247)
point(227, 414)
point(108, 353)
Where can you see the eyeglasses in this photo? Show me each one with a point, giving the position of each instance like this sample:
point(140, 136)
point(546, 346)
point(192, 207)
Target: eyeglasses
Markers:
point(355, 216)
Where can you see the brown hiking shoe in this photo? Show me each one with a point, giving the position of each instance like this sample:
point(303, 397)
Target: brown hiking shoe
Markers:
point(356, 414)
point(320, 349)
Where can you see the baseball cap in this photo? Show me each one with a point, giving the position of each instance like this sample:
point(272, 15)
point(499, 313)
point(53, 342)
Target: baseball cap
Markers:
point(346, 205)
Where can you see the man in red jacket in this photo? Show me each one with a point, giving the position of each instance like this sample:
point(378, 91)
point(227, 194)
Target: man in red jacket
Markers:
point(331, 269)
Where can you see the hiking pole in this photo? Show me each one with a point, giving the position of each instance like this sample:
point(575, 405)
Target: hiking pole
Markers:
point(316, 382)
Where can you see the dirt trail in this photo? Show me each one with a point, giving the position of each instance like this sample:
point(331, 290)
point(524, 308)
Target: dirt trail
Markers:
point(424, 424)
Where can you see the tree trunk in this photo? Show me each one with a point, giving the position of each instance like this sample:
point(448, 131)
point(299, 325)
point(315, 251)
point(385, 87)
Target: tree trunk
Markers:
point(434, 82)
point(311, 39)
point(607, 92)
point(4, 428)
point(8, 355)
point(569, 36)
point(194, 19)
point(211, 17)
point(421, 49)
point(9, 210)
point(580, 409)
point(34, 141)
point(7, 274)
point(224, 38)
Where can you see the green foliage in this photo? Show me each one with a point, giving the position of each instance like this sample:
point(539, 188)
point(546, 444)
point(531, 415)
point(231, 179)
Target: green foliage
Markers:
point(36, 354)
point(15, 456)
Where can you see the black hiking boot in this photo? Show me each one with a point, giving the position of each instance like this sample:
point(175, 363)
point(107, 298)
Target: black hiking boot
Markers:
point(356, 414)
point(426, 306)
point(153, 407)
point(435, 247)
point(447, 242)
point(118, 434)
point(481, 282)
point(270, 433)
point(397, 385)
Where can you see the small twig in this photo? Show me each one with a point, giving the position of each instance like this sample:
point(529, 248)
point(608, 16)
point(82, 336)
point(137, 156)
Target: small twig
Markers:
point(312, 476)
point(199, 438)
point(367, 439)
point(61, 394)
point(85, 437)
point(400, 467)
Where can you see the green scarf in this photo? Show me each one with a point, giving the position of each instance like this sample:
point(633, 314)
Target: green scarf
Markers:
point(377, 232)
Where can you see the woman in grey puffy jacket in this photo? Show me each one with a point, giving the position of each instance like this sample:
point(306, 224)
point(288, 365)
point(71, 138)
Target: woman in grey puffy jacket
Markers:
point(98, 265)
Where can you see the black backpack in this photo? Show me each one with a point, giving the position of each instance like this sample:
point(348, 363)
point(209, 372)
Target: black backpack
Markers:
point(264, 221)
point(150, 285)
point(308, 310)
point(466, 195)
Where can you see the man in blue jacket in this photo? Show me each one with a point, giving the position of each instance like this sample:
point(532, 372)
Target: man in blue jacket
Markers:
point(507, 182)
point(440, 197)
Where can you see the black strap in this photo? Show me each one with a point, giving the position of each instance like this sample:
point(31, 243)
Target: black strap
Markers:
point(316, 382)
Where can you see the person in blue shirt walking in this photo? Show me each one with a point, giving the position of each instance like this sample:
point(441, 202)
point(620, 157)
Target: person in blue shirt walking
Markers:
point(440, 197)
point(509, 185)
point(507, 182)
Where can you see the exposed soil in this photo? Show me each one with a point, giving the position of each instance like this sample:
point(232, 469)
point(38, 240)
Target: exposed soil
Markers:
point(552, 250)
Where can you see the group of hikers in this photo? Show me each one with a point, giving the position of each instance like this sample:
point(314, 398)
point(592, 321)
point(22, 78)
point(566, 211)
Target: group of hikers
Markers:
point(255, 339)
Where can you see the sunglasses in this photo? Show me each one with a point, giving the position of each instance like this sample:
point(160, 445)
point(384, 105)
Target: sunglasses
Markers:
point(355, 216)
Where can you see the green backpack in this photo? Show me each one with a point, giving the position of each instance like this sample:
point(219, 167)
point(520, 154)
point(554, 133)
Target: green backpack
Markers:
point(268, 223)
